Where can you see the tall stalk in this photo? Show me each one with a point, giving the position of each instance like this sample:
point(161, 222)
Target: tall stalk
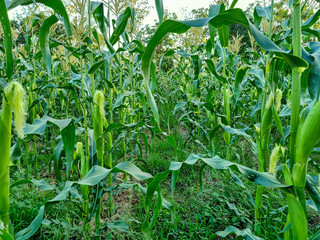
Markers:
point(226, 103)
point(98, 122)
point(109, 137)
point(307, 134)
point(264, 133)
point(296, 75)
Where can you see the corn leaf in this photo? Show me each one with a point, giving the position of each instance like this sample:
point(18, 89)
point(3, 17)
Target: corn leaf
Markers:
point(96, 66)
point(312, 188)
point(97, 10)
point(97, 173)
point(313, 79)
point(121, 25)
point(312, 20)
point(44, 40)
point(241, 72)
point(5, 23)
point(159, 6)
point(68, 135)
point(57, 164)
point(32, 228)
point(259, 13)
point(39, 125)
point(261, 178)
point(4, 235)
point(298, 218)
point(224, 36)
point(15, 153)
point(243, 233)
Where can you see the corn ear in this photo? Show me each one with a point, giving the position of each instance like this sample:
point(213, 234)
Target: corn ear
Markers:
point(308, 136)
point(265, 128)
point(14, 100)
point(98, 122)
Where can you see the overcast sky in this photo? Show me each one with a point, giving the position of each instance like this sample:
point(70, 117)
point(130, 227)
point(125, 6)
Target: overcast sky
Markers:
point(175, 6)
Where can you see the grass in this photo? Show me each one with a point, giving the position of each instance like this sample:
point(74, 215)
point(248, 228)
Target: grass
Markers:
point(195, 215)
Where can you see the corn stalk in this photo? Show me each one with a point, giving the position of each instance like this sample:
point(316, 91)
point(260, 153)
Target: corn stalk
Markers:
point(13, 101)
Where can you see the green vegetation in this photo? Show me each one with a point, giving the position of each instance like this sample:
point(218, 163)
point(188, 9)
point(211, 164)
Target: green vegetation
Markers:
point(206, 128)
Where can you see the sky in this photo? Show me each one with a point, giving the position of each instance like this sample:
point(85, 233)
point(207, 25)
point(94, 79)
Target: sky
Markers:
point(172, 6)
point(178, 5)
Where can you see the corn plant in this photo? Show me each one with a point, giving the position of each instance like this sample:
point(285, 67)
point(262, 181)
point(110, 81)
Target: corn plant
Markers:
point(14, 101)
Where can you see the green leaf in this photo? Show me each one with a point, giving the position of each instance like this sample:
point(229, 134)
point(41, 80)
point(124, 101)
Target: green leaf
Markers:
point(312, 187)
point(314, 78)
point(298, 220)
point(243, 233)
point(212, 69)
point(224, 36)
point(268, 45)
point(39, 125)
point(277, 120)
point(97, 10)
point(94, 176)
point(43, 185)
point(63, 195)
point(312, 20)
point(121, 25)
point(172, 141)
point(57, 165)
point(259, 13)
point(240, 132)
point(5, 23)
point(152, 188)
point(233, 4)
point(241, 72)
point(119, 225)
point(96, 66)
point(131, 169)
point(159, 6)
point(4, 235)
point(98, 173)
point(20, 182)
point(316, 236)
point(68, 135)
point(32, 228)
point(56, 5)
point(44, 40)
point(15, 153)
point(262, 178)
point(174, 178)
